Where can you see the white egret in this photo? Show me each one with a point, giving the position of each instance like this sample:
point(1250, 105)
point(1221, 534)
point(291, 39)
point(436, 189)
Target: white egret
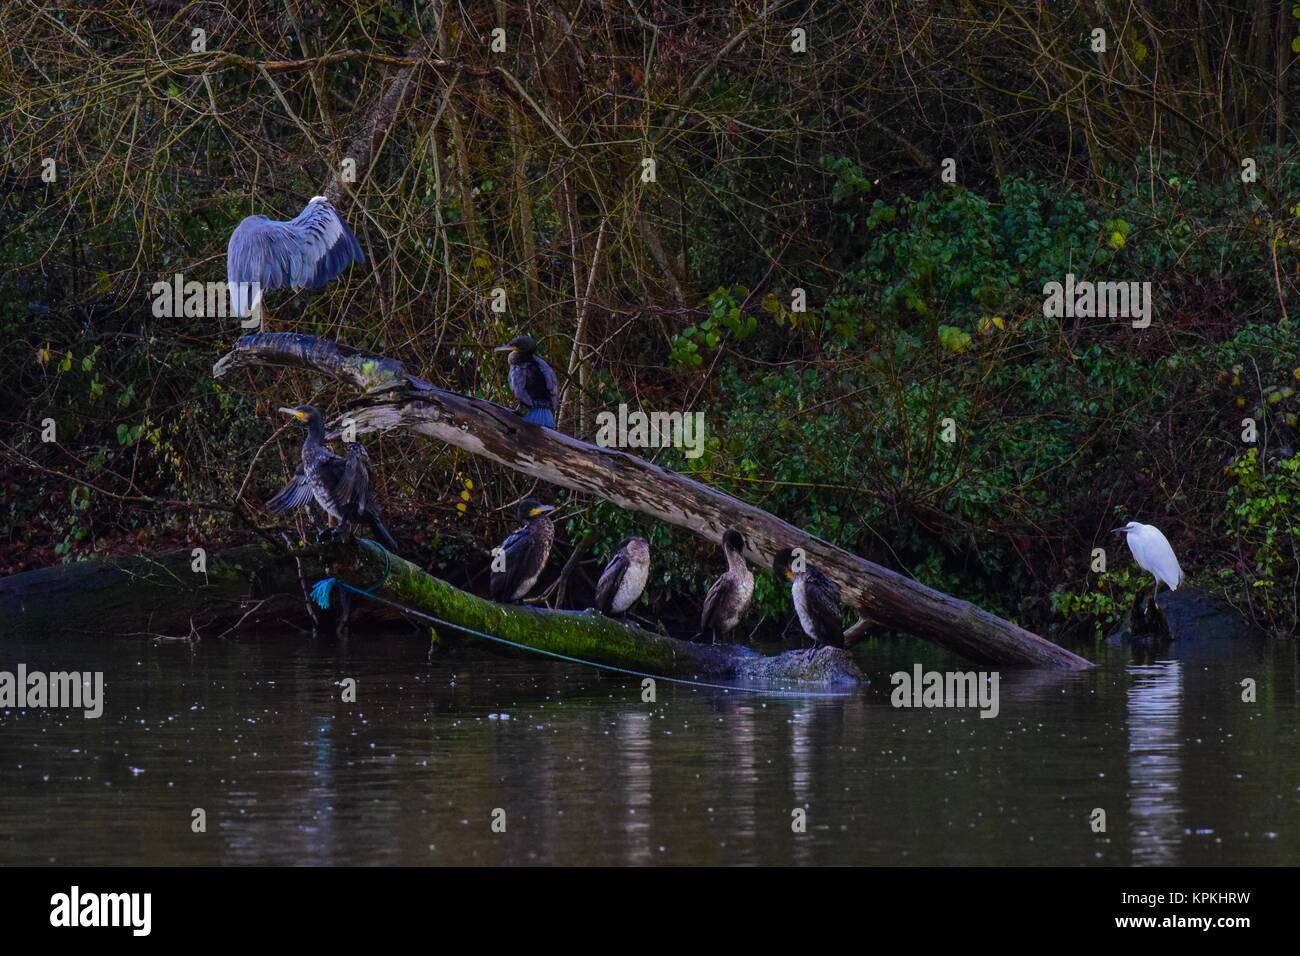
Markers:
point(1153, 553)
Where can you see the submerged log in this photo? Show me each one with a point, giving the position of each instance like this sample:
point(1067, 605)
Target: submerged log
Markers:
point(586, 635)
point(157, 596)
point(394, 398)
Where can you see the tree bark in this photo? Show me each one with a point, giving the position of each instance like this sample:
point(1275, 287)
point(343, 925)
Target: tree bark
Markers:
point(393, 398)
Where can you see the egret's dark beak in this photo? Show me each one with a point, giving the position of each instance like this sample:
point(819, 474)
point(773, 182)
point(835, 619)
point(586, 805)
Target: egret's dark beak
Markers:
point(1116, 530)
point(504, 348)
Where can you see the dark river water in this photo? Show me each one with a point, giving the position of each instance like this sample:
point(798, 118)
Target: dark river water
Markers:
point(256, 734)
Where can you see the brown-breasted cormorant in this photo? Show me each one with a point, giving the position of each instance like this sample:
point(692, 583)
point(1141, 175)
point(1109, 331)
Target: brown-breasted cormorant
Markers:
point(816, 597)
point(340, 486)
point(728, 599)
point(525, 552)
point(532, 381)
point(624, 578)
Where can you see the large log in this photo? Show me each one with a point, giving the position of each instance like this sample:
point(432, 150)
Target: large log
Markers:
point(392, 397)
point(159, 595)
point(586, 635)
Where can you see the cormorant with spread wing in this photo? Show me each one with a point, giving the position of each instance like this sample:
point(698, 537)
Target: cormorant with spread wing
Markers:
point(532, 381)
point(728, 599)
point(339, 486)
point(816, 597)
point(524, 553)
point(624, 578)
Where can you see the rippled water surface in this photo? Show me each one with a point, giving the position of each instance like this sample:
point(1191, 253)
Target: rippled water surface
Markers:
point(255, 732)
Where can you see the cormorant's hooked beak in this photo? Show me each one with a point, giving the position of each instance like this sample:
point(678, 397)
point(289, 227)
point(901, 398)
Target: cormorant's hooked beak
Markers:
point(293, 413)
point(504, 348)
point(541, 510)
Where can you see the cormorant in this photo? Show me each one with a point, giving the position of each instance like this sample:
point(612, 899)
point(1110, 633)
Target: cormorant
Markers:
point(340, 486)
point(532, 381)
point(525, 552)
point(624, 578)
point(728, 599)
point(816, 599)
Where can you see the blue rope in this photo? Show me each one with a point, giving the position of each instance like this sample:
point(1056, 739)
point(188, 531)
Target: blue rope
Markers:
point(320, 594)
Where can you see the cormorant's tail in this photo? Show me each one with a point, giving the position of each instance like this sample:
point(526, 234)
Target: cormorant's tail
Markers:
point(381, 532)
point(540, 415)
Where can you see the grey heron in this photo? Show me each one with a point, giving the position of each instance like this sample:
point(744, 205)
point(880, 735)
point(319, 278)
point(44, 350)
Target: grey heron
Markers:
point(305, 253)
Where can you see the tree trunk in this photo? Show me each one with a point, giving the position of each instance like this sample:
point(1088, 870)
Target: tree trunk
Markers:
point(394, 398)
point(587, 635)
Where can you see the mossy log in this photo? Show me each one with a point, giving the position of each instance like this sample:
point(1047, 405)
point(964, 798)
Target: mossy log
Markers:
point(587, 635)
point(393, 398)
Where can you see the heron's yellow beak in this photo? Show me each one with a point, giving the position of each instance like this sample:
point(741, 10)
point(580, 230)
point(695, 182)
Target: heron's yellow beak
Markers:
point(294, 413)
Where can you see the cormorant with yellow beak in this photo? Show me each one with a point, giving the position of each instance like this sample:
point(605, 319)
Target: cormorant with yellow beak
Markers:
point(728, 599)
point(523, 554)
point(816, 598)
point(339, 486)
point(532, 381)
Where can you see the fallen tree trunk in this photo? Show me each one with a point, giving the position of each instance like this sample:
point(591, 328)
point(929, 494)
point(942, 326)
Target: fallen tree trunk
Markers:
point(158, 596)
point(588, 636)
point(394, 398)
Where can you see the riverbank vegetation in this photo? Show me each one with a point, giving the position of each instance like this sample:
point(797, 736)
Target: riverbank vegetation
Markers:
point(651, 185)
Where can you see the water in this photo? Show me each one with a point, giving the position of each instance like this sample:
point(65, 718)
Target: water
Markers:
point(255, 733)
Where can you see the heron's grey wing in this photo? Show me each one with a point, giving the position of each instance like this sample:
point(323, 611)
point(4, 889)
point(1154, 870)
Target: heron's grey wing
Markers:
point(354, 484)
point(295, 494)
point(325, 245)
point(607, 587)
point(258, 257)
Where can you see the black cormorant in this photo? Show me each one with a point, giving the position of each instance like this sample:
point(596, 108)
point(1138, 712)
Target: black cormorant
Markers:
point(728, 599)
point(816, 599)
point(340, 486)
point(624, 578)
point(532, 381)
point(524, 552)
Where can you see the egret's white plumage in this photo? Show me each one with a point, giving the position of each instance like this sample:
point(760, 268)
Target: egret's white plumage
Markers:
point(1153, 553)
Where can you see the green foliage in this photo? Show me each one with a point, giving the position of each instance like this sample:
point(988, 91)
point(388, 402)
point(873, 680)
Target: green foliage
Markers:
point(1260, 518)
